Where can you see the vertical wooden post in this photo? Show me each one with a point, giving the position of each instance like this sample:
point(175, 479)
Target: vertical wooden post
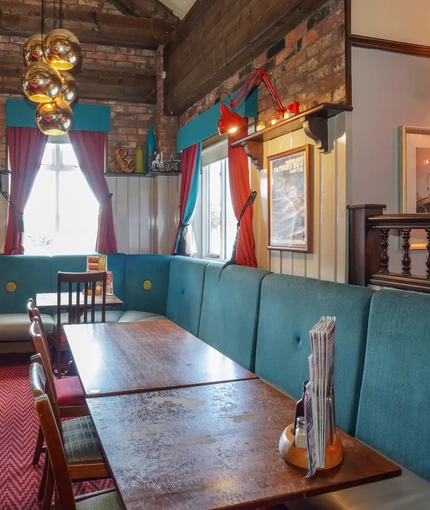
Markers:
point(364, 244)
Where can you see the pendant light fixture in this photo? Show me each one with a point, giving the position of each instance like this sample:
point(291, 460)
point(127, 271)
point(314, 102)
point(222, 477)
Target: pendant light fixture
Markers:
point(69, 87)
point(62, 49)
point(33, 49)
point(46, 81)
point(54, 118)
point(41, 83)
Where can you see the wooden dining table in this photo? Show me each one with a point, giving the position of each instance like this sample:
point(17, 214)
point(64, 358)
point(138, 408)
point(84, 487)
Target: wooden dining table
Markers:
point(126, 357)
point(215, 446)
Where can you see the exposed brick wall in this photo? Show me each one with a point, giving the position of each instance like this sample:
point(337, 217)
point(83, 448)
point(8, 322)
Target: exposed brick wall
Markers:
point(129, 121)
point(308, 66)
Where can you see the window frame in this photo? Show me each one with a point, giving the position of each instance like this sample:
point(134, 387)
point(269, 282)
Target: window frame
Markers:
point(211, 155)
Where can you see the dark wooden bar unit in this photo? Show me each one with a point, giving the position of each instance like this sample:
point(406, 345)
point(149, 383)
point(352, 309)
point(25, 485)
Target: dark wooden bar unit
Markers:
point(369, 258)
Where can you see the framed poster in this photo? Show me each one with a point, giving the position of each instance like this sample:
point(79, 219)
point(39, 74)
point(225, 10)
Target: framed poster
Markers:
point(415, 176)
point(290, 200)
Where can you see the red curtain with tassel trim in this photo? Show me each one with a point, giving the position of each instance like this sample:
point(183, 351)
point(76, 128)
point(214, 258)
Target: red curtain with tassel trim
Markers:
point(89, 147)
point(26, 147)
point(240, 191)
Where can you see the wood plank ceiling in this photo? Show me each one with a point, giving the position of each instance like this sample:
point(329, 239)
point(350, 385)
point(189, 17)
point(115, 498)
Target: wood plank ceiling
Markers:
point(203, 47)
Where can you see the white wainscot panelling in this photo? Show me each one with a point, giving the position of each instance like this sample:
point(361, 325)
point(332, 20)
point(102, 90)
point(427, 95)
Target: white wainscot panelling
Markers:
point(145, 212)
point(327, 261)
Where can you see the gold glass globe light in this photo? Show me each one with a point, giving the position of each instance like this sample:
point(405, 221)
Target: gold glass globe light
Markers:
point(62, 49)
point(41, 83)
point(55, 118)
point(32, 50)
point(69, 89)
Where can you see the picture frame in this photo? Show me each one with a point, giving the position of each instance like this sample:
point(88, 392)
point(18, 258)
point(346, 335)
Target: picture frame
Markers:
point(289, 198)
point(414, 179)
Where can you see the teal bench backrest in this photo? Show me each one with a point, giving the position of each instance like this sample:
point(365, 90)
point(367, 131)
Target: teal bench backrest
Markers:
point(21, 277)
point(394, 411)
point(230, 311)
point(184, 299)
point(147, 280)
point(290, 307)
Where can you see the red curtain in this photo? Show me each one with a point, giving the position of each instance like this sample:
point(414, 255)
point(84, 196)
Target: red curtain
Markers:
point(189, 167)
point(240, 191)
point(89, 147)
point(26, 147)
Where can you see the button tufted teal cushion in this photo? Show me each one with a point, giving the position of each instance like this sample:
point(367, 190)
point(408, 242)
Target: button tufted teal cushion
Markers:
point(394, 411)
point(290, 306)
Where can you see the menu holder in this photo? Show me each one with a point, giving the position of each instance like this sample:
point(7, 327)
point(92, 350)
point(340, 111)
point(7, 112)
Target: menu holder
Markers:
point(299, 456)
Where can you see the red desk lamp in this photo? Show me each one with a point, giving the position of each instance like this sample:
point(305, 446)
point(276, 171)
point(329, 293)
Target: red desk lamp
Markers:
point(229, 121)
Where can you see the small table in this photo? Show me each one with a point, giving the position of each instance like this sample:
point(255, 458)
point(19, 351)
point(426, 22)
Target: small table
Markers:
point(215, 446)
point(126, 357)
point(49, 300)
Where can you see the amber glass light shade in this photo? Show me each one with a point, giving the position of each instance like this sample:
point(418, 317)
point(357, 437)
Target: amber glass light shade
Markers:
point(55, 118)
point(41, 83)
point(32, 50)
point(229, 121)
point(62, 49)
point(69, 89)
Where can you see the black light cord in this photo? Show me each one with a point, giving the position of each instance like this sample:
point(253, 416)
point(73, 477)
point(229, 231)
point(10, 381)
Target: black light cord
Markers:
point(232, 260)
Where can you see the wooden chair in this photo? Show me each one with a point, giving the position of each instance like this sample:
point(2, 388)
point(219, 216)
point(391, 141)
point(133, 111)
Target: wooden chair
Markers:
point(68, 390)
point(83, 451)
point(58, 461)
point(75, 294)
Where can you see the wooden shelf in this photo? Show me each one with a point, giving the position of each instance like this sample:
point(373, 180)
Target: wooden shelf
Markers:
point(313, 121)
point(133, 174)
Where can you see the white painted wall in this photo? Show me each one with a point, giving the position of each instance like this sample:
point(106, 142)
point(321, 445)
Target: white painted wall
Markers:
point(329, 215)
point(389, 90)
point(396, 20)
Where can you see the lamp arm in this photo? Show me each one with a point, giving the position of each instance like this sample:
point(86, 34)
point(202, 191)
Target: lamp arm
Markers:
point(281, 109)
point(249, 85)
point(259, 74)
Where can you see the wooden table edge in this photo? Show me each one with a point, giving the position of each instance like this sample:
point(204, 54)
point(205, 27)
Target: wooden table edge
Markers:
point(164, 388)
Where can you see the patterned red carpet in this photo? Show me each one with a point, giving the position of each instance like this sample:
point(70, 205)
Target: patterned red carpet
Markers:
point(19, 480)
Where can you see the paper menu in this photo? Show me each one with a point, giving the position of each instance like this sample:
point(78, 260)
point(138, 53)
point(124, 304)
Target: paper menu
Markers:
point(319, 398)
point(99, 263)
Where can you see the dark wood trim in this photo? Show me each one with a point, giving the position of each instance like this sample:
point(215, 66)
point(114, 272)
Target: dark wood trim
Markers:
point(348, 52)
point(417, 50)
point(313, 121)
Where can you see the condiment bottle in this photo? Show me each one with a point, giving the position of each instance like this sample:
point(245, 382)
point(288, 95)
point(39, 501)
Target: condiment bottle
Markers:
point(300, 433)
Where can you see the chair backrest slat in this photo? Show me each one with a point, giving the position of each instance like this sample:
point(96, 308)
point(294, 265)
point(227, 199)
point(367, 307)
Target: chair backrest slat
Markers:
point(81, 295)
point(57, 456)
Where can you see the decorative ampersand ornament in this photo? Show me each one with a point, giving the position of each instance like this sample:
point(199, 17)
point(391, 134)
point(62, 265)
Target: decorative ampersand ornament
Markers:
point(121, 163)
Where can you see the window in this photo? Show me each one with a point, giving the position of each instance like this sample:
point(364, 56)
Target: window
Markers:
point(61, 216)
point(214, 220)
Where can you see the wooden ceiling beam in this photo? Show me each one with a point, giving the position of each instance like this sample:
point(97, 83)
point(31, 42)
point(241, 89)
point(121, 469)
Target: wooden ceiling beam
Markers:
point(96, 82)
point(147, 9)
point(220, 37)
point(91, 27)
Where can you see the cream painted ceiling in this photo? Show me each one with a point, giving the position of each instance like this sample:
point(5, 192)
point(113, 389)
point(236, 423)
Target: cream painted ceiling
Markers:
point(179, 7)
